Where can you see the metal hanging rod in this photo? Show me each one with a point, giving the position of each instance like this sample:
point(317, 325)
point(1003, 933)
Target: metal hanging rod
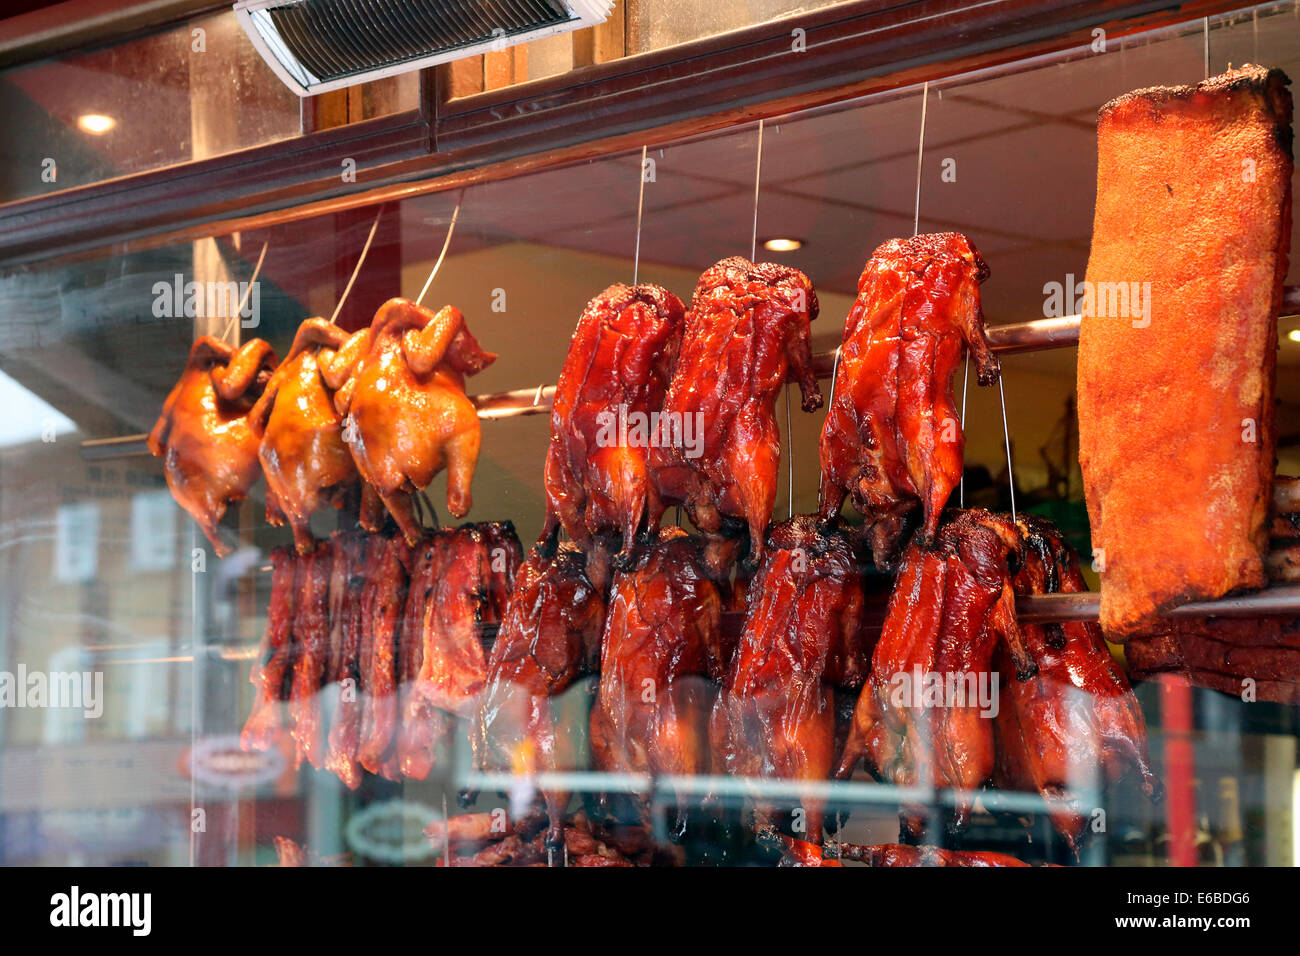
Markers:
point(1038, 335)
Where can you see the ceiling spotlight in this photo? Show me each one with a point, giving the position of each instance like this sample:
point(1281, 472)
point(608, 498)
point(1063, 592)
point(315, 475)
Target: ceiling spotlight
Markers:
point(1294, 335)
point(96, 123)
point(782, 245)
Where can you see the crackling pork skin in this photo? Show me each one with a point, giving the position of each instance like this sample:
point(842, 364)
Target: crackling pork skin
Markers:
point(892, 439)
point(1178, 346)
point(203, 436)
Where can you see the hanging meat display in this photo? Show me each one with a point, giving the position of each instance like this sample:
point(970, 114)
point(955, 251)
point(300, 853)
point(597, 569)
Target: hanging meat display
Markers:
point(1075, 725)
point(549, 637)
point(401, 389)
point(203, 436)
point(1177, 349)
point(746, 331)
point(606, 415)
point(795, 852)
point(301, 450)
point(774, 717)
point(661, 653)
point(893, 440)
point(923, 718)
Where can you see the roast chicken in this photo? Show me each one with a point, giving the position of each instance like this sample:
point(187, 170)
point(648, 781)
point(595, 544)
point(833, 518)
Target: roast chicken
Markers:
point(303, 455)
point(203, 436)
point(775, 716)
point(1076, 724)
point(605, 417)
point(747, 330)
point(923, 717)
point(400, 386)
point(660, 656)
point(892, 440)
point(548, 639)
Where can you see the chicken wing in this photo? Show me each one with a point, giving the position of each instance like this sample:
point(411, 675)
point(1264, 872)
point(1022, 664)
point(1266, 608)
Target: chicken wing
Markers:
point(747, 330)
point(203, 436)
point(892, 439)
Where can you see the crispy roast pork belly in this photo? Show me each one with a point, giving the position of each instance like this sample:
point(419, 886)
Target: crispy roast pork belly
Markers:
point(1177, 352)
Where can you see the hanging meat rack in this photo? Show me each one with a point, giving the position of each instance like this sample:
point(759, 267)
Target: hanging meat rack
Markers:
point(1037, 335)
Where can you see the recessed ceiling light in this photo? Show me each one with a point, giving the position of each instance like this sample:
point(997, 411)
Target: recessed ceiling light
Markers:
point(1294, 335)
point(96, 123)
point(782, 245)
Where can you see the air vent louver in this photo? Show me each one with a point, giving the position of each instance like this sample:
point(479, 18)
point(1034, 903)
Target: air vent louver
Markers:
point(321, 45)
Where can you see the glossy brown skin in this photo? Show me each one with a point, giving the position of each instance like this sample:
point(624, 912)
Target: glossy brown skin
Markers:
point(661, 652)
point(401, 389)
point(275, 656)
point(892, 439)
point(203, 436)
point(951, 608)
point(311, 634)
point(1077, 721)
point(774, 716)
point(458, 572)
point(747, 330)
point(356, 550)
point(794, 852)
point(300, 434)
point(620, 358)
point(549, 637)
point(384, 603)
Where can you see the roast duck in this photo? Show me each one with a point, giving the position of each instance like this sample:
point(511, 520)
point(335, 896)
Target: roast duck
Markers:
point(802, 637)
point(400, 386)
point(892, 440)
point(203, 436)
point(393, 632)
point(661, 654)
point(613, 381)
point(1075, 725)
point(746, 331)
point(952, 607)
point(300, 434)
point(548, 639)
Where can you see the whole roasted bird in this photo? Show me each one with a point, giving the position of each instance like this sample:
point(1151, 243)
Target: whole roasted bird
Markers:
point(458, 587)
point(1076, 724)
point(548, 639)
point(203, 436)
point(605, 417)
point(892, 438)
point(301, 448)
point(923, 717)
point(400, 385)
point(660, 655)
point(748, 328)
point(775, 716)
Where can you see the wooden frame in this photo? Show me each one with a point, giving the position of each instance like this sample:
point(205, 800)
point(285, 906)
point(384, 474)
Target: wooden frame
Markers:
point(852, 50)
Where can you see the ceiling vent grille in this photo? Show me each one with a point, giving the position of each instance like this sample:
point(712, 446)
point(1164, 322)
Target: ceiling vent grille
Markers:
point(319, 45)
